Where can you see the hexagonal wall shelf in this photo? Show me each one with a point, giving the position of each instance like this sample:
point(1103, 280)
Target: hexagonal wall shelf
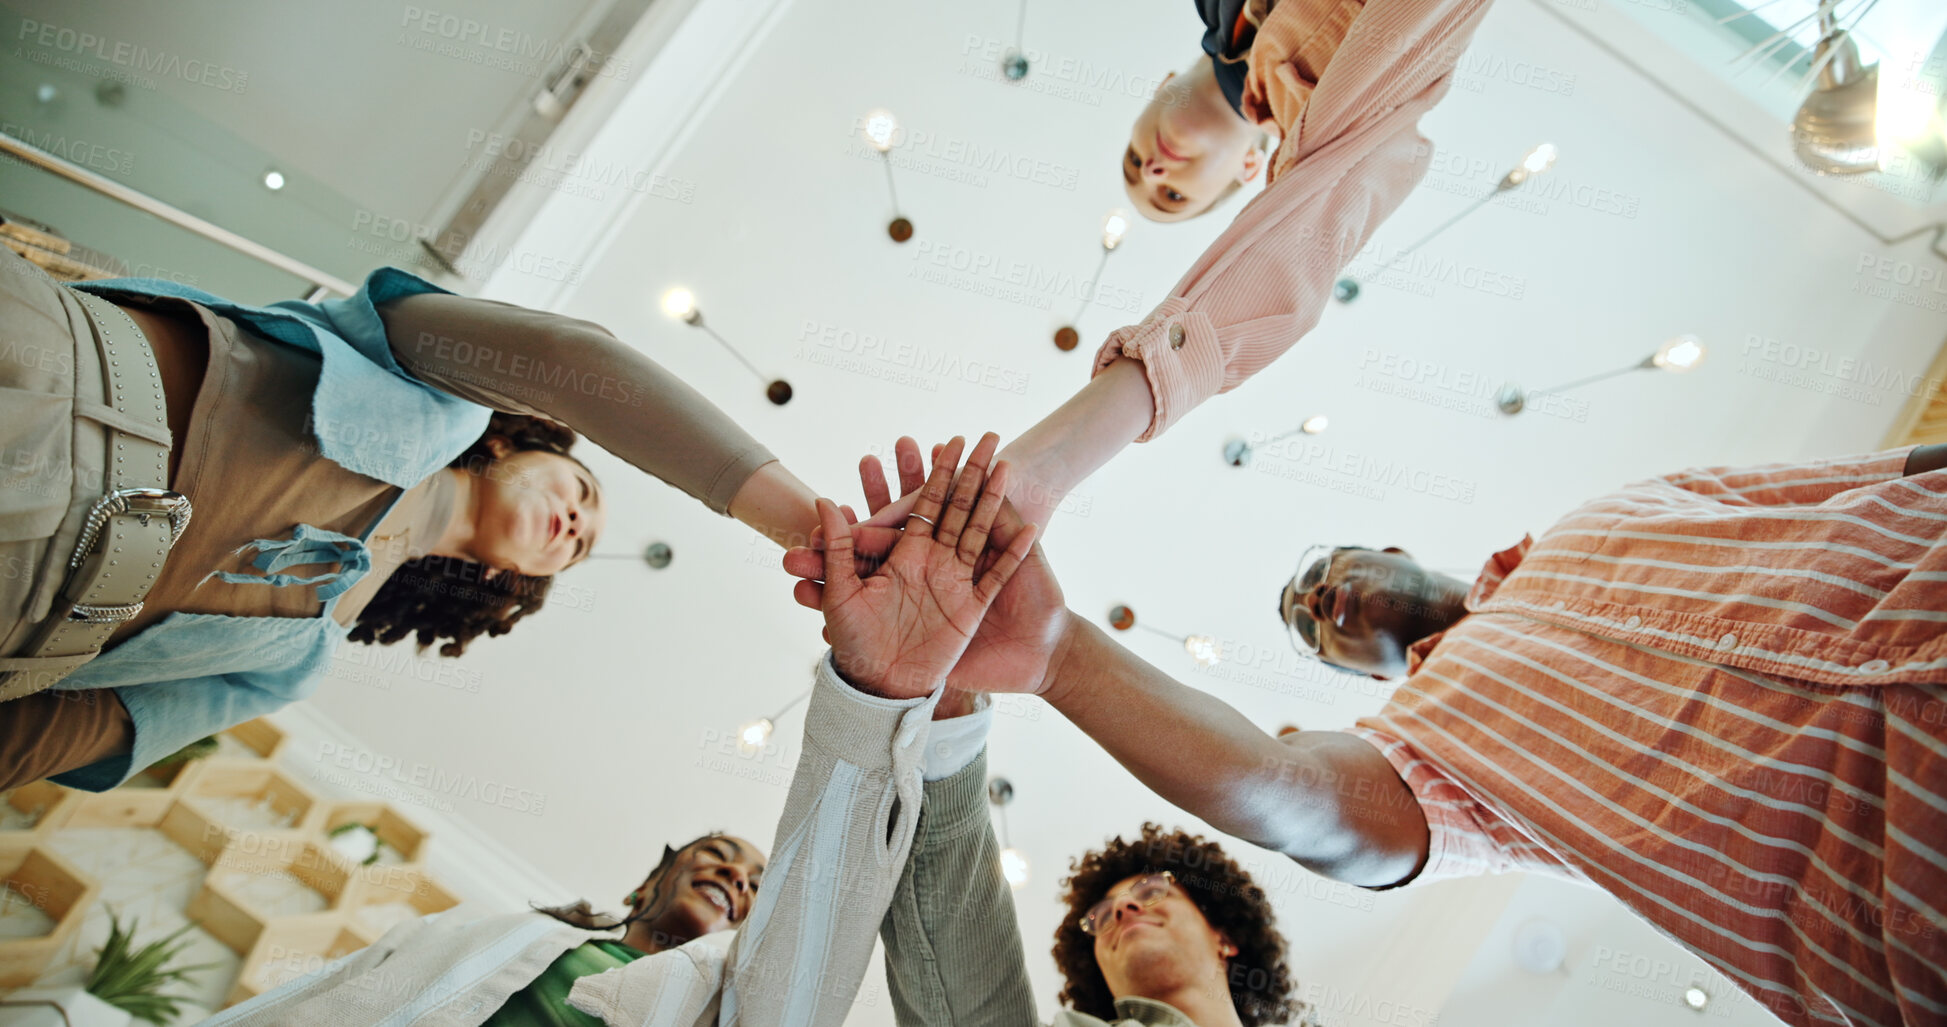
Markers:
point(404, 841)
point(231, 800)
point(387, 896)
point(291, 947)
point(248, 889)
point(42, 903)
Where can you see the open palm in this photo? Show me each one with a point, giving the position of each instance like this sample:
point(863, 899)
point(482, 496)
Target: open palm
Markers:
point(897, 631)
point(1011, 649)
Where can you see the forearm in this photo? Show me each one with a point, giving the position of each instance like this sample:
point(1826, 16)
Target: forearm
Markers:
point(532, 362)
point(1188, 747)
point(779, 506)
point(1081, 435)
point(1331, 801)
point(1926, 458)
point(952, 943)
point(52, 732)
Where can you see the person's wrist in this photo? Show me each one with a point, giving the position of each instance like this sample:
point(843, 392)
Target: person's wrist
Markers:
point(956, 702)
point(1057, 685)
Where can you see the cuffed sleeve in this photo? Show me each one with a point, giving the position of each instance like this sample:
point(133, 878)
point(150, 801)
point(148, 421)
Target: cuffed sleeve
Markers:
point(532, 362)
point(1350, 159)
point(957, 741)
point(842, 843)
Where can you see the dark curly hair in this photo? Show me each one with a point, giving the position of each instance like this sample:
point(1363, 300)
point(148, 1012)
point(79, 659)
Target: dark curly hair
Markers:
point(1260, 985)
point(446, 597)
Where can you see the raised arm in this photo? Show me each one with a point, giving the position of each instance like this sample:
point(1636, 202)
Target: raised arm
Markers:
point(953, 946)
point(1350, 155)
point(1327, 799)
point(531, 362)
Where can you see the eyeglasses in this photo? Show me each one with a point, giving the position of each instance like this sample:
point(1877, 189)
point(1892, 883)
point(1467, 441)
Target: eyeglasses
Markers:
point(1147, 891)
point(1313, 565)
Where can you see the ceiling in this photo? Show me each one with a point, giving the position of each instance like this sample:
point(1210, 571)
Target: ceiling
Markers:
point(611, 706)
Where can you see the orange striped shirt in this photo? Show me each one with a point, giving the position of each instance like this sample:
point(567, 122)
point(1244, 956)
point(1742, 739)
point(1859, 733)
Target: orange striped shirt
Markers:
point(1718, 696)
point(1345, 84)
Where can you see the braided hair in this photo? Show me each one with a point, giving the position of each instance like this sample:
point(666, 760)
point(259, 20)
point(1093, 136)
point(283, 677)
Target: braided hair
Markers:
point(451, 598)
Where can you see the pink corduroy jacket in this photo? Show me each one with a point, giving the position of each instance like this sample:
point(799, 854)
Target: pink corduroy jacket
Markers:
point(1345, 101)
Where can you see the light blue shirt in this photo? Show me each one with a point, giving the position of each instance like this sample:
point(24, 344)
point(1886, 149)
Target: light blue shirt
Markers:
point(190, 675)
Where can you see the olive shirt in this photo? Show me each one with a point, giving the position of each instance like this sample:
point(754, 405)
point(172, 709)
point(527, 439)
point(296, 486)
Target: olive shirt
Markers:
point(313, 458)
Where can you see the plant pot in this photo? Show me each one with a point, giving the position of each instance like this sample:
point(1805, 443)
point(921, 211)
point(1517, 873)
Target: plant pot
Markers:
point(44, 1007)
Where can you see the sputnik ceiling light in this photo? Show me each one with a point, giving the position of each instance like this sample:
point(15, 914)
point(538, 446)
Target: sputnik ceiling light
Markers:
point(680, 304)
point(1538, 160)
point(1014, 862)
point(656, 554)
point(1115, 225)
point(1014, 63)
point(754, 734)
point(881, 131)
point(1679, 354)
point(1237, 452)
point(1207, 651)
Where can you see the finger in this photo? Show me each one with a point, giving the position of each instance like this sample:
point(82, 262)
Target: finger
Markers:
point(966, 490)
point(802, 562)
point(1017, 552)
point(912, 471)
point(872, 543)
point(872, 475)
point(841, 575)
point(894, 514)
point(992, 497)
point(851, 516)
point(932, 496)
point(809, 593)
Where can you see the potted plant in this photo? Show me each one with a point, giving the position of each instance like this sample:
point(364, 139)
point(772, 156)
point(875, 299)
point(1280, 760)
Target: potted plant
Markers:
point(132, 979)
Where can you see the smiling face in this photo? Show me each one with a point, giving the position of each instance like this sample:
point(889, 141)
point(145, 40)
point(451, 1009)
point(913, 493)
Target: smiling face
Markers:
point(1158, 949)
point(710, 886)
point(1188, 148)
point(1366, 607)
point(535, 512)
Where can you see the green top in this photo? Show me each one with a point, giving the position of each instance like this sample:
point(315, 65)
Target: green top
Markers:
point(544, 1003)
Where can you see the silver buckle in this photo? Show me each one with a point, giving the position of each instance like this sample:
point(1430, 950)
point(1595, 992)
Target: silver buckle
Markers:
point(104, 614)
point(143, 503)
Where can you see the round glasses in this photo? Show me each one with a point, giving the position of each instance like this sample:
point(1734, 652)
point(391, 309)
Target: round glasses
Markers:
point(1147, 891)
point(1313, 564)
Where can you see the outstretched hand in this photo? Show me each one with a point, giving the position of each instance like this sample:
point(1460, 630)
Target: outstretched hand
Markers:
point(1022, 629)
point(899, 630)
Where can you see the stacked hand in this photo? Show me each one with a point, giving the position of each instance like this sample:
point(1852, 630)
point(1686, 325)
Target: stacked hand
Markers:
point(1015, 641)
point(901, 619)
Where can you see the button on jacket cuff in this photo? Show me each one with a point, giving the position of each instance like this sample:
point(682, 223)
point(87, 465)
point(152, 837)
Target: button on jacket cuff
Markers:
point(1181, 357)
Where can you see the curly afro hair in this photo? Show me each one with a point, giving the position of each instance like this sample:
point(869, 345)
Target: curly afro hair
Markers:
point(1260, 985)
point(447, 598)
